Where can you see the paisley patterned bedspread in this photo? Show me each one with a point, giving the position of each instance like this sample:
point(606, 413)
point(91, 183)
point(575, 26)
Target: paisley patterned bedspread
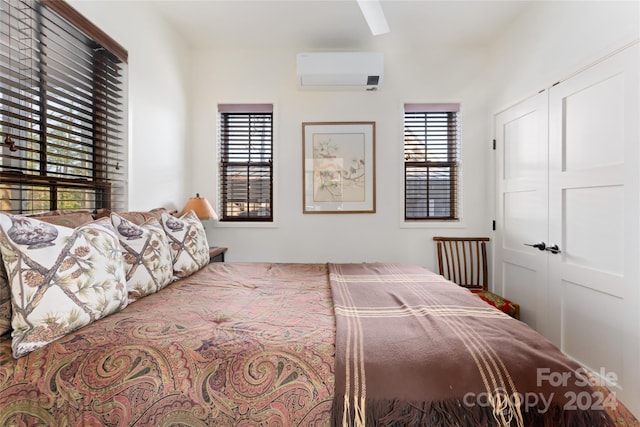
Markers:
point(234, 344)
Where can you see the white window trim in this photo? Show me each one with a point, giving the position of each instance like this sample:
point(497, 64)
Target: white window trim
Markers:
point(275, 166)
point(429, 224)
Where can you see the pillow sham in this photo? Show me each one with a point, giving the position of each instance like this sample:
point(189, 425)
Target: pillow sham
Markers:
point(136, 217)
point(61, 278)
point(187, 241)
point(147, 258)
point(70, 219)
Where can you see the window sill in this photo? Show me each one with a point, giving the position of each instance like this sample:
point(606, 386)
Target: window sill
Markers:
point(433, 224)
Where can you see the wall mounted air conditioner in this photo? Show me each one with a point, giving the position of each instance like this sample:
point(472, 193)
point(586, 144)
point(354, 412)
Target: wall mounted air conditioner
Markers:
point(340, 70)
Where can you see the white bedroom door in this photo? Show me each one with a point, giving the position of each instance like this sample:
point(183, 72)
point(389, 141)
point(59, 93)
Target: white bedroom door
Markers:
point(594, 214)
point(522, 175)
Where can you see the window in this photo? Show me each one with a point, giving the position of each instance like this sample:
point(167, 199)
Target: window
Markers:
point(431, 161)
point(246, 162)
point(61, 111)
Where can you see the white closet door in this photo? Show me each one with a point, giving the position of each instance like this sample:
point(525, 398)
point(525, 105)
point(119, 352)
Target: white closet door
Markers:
point(522, 173)
point(593, 218)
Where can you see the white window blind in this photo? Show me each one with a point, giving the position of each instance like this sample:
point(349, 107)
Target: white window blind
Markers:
point(61, 111)
point(431, 161)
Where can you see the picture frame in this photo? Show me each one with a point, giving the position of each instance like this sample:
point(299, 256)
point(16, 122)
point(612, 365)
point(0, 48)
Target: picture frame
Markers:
point(339, 167)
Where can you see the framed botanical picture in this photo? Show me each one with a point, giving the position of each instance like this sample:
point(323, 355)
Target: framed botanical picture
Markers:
point(339, 167)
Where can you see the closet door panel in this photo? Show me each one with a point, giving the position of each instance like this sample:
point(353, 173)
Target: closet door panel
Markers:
point(593, 210)
point(584, 211)
point(607, 355)
point(521, 159)
point(594, 125)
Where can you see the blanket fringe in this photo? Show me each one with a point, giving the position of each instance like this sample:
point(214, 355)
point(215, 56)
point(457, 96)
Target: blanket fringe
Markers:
point(454, 413)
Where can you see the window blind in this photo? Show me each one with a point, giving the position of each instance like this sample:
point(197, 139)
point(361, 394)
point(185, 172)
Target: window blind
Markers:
point(431, 161)
point(246, 162)
point(61, 111)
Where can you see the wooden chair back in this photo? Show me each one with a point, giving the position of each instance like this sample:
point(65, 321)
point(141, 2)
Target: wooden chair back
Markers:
point(463, 260)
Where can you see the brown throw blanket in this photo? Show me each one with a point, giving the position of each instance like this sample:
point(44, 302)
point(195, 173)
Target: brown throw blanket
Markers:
point(415, 349)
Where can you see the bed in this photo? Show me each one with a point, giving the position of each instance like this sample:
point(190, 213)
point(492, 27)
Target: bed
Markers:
point(287, 344)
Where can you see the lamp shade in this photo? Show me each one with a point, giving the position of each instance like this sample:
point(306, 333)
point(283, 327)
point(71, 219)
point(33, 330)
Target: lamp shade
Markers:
point(201, 207)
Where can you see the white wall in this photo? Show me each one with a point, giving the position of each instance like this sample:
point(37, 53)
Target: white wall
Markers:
point(554, 39)
point(158, 106)
point(173, 152)
point(221, 76)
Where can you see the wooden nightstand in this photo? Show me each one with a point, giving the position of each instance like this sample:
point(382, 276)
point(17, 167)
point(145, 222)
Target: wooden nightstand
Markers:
point(216, 254)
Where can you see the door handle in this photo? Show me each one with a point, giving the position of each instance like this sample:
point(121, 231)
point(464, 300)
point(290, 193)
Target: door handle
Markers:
point(553, 249)
point(540, 246)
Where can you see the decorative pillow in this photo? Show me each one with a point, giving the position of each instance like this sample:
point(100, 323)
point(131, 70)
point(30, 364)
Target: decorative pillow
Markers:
point(147, 258)
point(61, 278)
point(58, 212)
point(5, 301)
point(501, 303)
point(70, 220)
point(136, 217)
point(188, 243)
point(102, 213)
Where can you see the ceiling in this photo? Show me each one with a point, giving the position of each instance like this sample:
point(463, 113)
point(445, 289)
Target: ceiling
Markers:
point(337, 24)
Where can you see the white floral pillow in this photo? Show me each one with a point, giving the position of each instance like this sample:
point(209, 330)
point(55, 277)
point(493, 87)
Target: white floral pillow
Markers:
point(188, 243)
point(147, 258)
point(61, 278)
